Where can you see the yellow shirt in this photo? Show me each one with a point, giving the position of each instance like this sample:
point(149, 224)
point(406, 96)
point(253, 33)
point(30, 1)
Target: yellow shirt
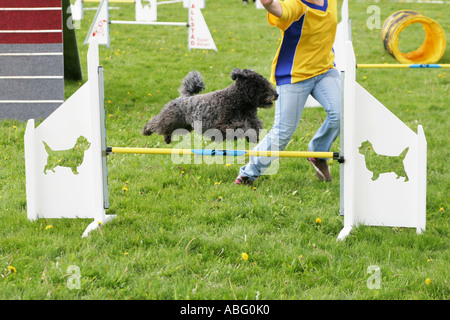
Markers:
point(308, 32)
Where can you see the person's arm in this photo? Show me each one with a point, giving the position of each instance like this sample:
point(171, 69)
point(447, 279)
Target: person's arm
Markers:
point(273, 6)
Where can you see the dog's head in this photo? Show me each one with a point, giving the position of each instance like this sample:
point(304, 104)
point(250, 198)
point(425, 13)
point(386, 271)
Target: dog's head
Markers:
point(82, 144)
point(257, 88)
point(366, 147)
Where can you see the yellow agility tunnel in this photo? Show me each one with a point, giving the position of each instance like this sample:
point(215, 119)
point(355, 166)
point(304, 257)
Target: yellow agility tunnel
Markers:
point(431, 50)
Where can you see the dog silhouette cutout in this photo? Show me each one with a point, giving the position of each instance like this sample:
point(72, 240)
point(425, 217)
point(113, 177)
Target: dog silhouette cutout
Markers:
point(379, 164)
point(72, 158)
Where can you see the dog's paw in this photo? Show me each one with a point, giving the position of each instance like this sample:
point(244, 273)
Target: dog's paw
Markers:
point(147, 130)
point(167, 139)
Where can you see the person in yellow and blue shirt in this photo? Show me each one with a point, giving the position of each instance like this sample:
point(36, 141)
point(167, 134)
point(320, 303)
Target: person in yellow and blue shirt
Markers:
point(303, 65)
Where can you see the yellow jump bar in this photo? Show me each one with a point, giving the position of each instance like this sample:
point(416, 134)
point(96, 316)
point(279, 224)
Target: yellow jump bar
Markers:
point(215, 152)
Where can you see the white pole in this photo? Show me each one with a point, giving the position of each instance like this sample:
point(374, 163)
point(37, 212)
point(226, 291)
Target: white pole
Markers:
point(151, 23)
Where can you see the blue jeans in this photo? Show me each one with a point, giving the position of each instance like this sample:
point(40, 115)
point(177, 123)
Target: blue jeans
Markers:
point(326, 89)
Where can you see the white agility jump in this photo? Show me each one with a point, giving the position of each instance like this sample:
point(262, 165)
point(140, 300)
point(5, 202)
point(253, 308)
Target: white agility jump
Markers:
point(373, 196)
point(199, 36)
point(55, 191)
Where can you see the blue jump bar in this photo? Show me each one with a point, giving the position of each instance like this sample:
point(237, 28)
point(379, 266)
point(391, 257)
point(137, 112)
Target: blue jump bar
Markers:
point(214, 152)
point(425, 66)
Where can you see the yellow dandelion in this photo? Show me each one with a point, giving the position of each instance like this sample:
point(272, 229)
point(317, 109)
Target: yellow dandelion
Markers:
point(428, 281)
point(244, 256)
point(125, 189)
point(216, 183)
point(254, 188)
point(12, 269)
point(48, 227)
point(318, 220)
point(227, 165)
point(441, 209)
point(182, 172)
point(15, 127)
point(109, 101)
point(125, 254)
point(364, 78)
point(220, 198)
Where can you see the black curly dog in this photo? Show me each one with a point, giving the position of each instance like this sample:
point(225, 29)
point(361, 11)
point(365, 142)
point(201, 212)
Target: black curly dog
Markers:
point(231, 111)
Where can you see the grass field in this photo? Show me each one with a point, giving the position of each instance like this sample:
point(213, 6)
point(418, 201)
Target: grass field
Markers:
point(185, 231)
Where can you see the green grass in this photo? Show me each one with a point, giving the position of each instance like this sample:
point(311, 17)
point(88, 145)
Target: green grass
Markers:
point(181, 228)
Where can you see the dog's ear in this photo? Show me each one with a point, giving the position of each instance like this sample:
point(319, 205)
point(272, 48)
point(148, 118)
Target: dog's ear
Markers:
point(237, 73)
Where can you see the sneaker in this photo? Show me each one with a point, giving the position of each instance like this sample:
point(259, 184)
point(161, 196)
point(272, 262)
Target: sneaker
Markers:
point(243, 180)
point(321, 167)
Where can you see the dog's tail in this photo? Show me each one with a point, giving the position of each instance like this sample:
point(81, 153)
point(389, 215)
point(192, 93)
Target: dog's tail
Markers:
point(403, 154)
point(47, 148)
point(192, 84)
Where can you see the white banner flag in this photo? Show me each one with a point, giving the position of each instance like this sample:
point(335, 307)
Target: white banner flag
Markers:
point(100, 26)
point(199, 35)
